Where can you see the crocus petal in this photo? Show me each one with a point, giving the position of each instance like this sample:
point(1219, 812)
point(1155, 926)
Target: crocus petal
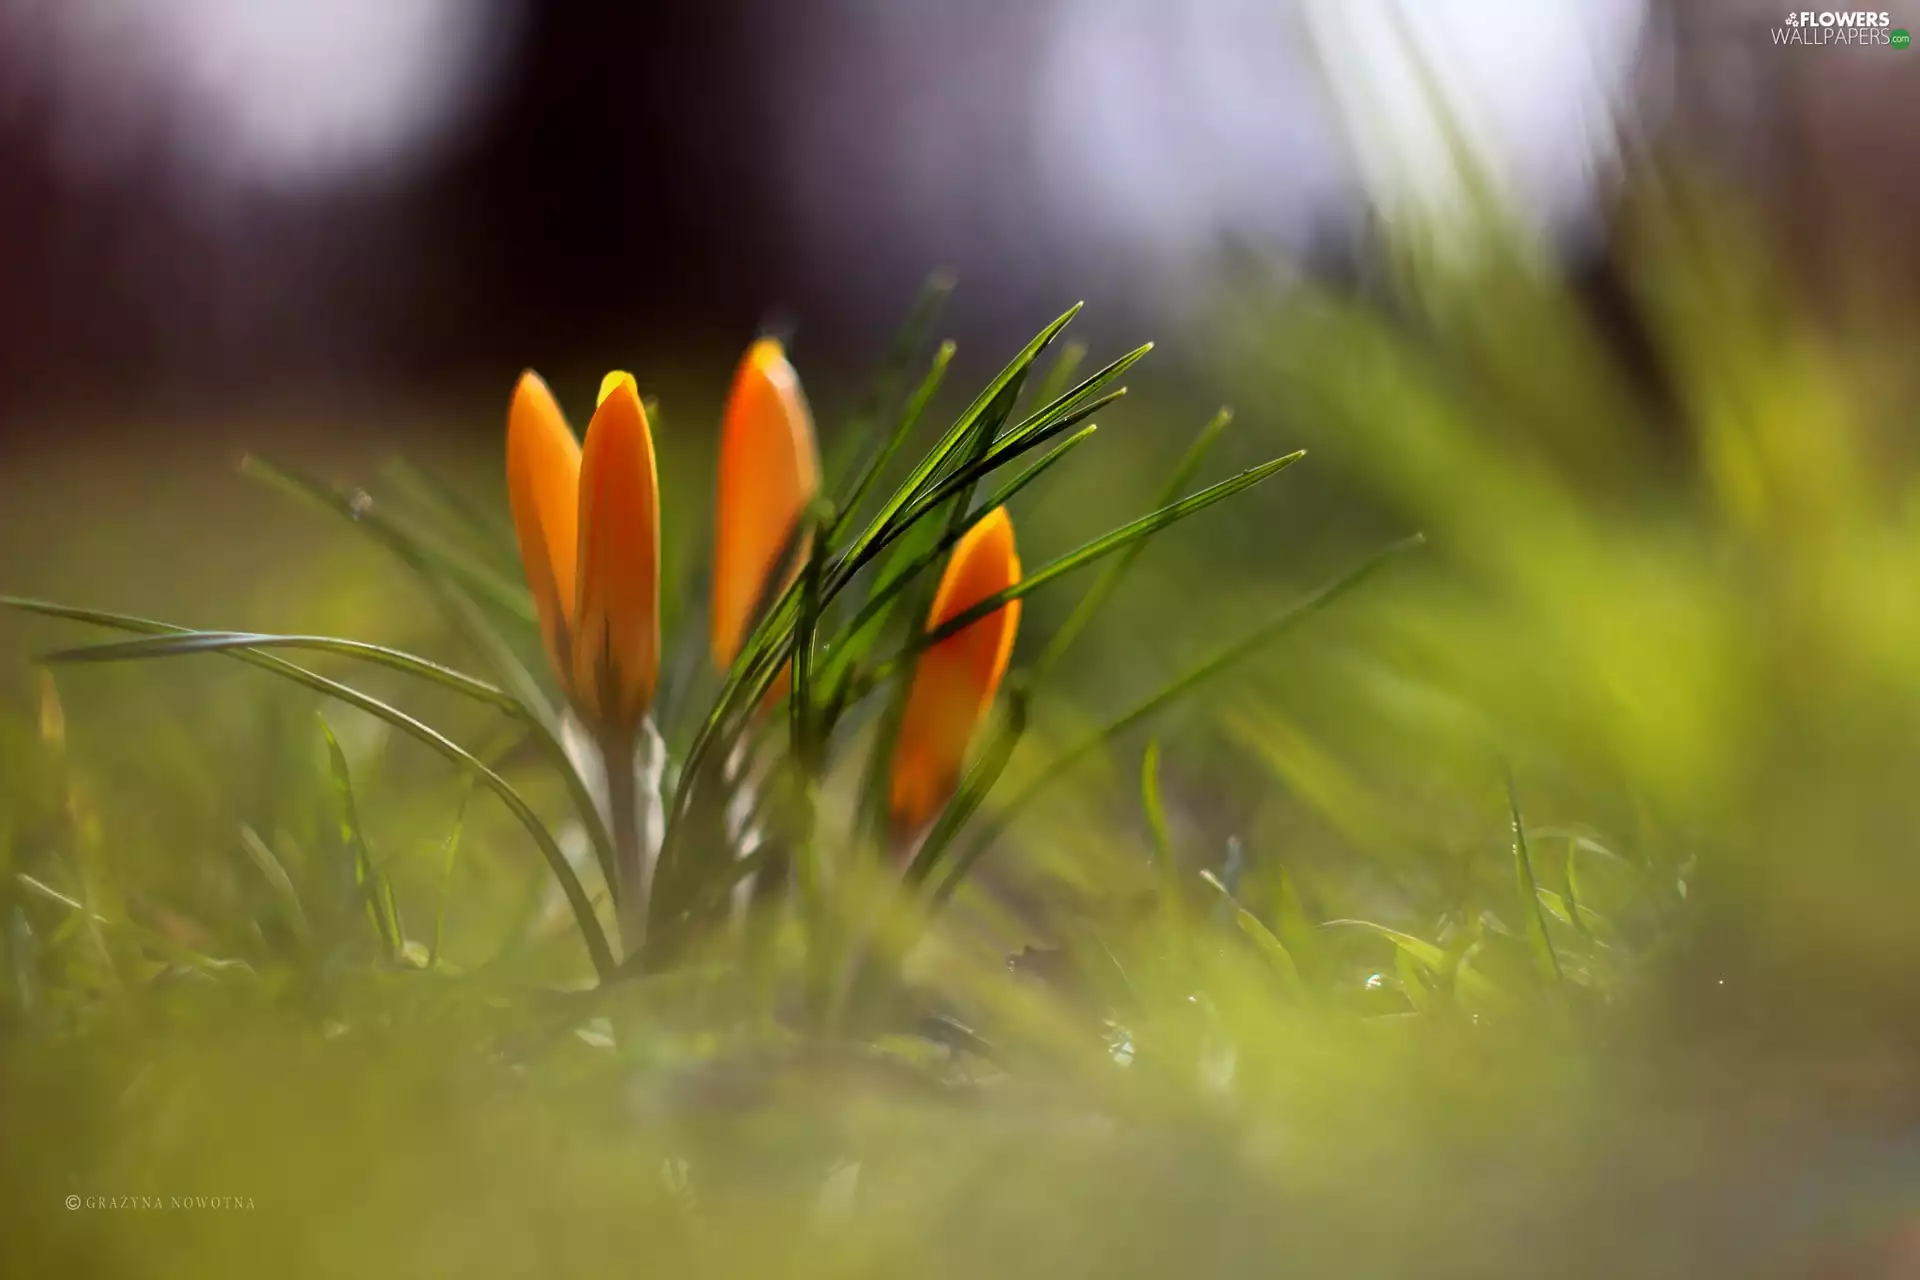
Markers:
point(769, 472)
point(612, 380)
point(543, 487)
point(616, 646)
point(955, 681)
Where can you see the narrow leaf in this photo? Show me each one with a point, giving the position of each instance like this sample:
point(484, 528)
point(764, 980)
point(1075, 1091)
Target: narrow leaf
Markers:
point(902, 431)
point(591, 934)
point(1529, 891)
point(1170, 693)
point(1469, 981)
point(1257, 933)
point(1156, 811)
point(1106, 545)
point(848, 649)
point(277, 879)
point(962, 430)
point(181, 645)
point(1109, 580)
point(373, 886)
point(452, 847)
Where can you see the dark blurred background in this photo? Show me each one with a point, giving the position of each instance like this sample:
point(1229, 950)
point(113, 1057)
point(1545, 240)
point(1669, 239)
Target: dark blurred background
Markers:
point(206, 204)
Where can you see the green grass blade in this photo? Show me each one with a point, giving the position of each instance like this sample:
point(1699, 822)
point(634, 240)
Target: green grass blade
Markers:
point(1109, 580)
point(903, 428)
point(419, 550)
point(373, 886)
point(1152, 804)
point(1170, 693)
point(849, 646)
point(801, 712)
point(468, 618)
point(907, 343)
point(1076, 398)
point(958, 435)
point(592, 935)
point(167, 640)
point(971, 473)
point(451, 507)
point(1293, 927)
point(151, 939)
point(1061, 372)
point(452, 847)
point(1105, 545)
point(1262, 938)
point(172, 646)
point(1468, 981)
point(454, 598)
point(1529, 891)
point(275, 874)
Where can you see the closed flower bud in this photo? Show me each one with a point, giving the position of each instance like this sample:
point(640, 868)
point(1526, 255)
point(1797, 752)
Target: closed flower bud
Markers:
point(769, 473)
point(955, 680)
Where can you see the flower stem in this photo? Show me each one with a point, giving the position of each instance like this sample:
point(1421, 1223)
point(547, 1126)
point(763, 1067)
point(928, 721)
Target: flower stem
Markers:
point(629, 848)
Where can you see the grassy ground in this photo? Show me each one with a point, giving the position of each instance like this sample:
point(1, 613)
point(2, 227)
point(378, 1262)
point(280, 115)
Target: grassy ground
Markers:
point(1540, 907)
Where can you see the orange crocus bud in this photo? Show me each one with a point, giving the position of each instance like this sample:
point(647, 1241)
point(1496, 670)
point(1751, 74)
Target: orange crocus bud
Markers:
point(769, 472)
point(616, 642)
point(543, 488)
point(954, 683)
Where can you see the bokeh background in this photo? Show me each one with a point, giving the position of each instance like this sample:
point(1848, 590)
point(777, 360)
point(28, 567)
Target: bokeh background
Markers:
point(211, 202)
point(337, 229)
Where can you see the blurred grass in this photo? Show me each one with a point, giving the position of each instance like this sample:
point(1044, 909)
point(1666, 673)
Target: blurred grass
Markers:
point(1570, 928)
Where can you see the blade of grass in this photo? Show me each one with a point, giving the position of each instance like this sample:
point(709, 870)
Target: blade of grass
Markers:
point(1529, 890)
point(151, 939)
point(1074, 399)
point(963, 430)
point(1061, 372)
point(454, 599)
point(454, 508)
point(411, 544)
point(849, 649)
point(1109, 580)
point(1155, 809)
point(907, 343)
point(592, 935)
point(173, 646)
point(166, 640)
point(1168, 694)
point(446, 874)
point(1262, 938)
point(1292, 926)
point(373, 886)
point(277, 879)
point(1470, 982)
point(903, 427)
point(1105, 545)
point(971, 473)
